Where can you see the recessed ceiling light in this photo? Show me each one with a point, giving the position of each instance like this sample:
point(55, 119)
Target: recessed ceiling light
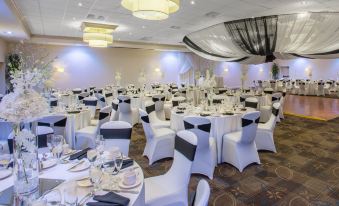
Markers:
point(192, 2)
point(79, 4)
point(143, 27)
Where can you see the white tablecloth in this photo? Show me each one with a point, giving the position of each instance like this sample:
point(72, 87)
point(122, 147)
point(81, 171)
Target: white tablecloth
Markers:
point(220, 125)
point(60, 172)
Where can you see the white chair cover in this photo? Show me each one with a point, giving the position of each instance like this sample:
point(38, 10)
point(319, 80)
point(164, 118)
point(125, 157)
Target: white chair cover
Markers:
point(91, 103)
point(154, 120)
point(202, 194)
point(126, 112)
point(159, 101)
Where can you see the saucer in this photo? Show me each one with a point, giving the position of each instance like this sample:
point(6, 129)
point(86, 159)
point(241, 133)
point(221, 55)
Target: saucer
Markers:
point(84, 183)
point(123, 186)
point(48, 163)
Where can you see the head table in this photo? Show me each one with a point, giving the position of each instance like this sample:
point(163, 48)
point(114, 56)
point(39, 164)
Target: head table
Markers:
point(61, 172)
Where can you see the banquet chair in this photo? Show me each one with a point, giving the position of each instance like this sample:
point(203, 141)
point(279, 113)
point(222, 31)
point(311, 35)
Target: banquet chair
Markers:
point(42, 133)
point(205, 158)
point(302, 88)
point(268, 91)
point(159, 101)
point(126, 112)
point(117, 134)
point(239, 147)
point(101, 100)
point(82, 96)
point(91, 103)
point(171, 189)
point(121, 91)
point(115, 110)
point(264, 139)
point(85, 137)
point(273, 85)
point(281, 110)
point(77, 91)
point(266, 110)
point(202, 194)
point(109, 97)
point(154, 120)
point(56, 122)
point(98, 91)
point(251, 103)
point(159, 141)
point(320, 90)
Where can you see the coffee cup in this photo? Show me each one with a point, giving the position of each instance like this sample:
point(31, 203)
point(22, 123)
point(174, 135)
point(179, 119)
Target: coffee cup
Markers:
point(130, 178)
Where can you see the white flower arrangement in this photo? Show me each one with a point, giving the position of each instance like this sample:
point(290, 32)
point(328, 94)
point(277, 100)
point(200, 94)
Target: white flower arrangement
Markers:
point(117, 78)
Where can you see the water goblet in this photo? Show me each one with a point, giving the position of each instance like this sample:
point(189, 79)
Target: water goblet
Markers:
point(92, 155)
point(95, 174)
point(53, 197)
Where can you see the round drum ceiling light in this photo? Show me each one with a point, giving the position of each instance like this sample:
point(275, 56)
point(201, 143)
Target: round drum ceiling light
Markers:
point(98, 35)
point(151, 9)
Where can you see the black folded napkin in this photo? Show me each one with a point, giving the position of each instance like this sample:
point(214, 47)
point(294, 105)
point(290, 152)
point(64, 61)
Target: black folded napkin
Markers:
point(228, 113)
point(109, 199)
point(126, 163)
point(204, 115)
point(243, 109)
point(79, 155)
point(179, 112)
point(73, 112)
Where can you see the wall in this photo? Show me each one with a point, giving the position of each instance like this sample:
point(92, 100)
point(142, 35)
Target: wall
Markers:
point(3, 48)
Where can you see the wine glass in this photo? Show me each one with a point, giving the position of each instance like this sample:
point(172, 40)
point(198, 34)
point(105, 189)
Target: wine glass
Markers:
point(71, 194)
point(95, 174)
point(100, 144)
point(53, 197)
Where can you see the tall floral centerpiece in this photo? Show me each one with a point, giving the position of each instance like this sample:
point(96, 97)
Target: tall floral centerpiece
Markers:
point(117, 78)
point(22, 107)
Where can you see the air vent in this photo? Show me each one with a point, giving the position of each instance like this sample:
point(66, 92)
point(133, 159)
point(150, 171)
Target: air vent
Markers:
point(175, 27)
point(212, 14)
point(146, 38)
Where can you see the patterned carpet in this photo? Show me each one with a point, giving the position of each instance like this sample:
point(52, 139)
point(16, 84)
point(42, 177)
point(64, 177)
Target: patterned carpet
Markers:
point(305, 171)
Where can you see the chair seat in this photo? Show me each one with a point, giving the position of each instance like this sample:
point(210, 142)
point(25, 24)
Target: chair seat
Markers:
point(41, 130)
point(265, 127)
point(94, 122)
point(234, 136)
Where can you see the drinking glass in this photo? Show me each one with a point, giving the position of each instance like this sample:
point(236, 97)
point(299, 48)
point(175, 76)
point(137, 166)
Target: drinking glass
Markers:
point(53, 197)
point(71, 194)
point(95, 175)
point(100, 144)
point(56, 142)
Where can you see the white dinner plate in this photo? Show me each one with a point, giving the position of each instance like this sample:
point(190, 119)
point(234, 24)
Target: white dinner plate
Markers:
point(123, 186)
point(84, 183)
point(49, 163)
point(5, 173)
point(81, 167)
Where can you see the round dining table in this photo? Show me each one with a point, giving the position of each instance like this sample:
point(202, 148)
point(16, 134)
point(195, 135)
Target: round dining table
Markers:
point(220, 125)
point(136, 195)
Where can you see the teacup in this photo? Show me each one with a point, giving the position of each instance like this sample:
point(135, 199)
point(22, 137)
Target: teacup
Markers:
point(130, 178)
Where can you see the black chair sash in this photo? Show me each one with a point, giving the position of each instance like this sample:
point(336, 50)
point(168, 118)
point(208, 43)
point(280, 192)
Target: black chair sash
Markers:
point(157, 99)
point(185, 148)
point(222, 91)
point(251, 104)
point(246, 122)
point(116, 133)
point(128, 101)
point(115, 106)
point(242, 99)
point(53, 103)
point(81, 97)
point(268, 92)
point(203, 127)
point(275, 111)
point(77, 92)
point(183, 92)
point(103, 115)
point(10, 143)
point(150, 109)
point(99, 91)
point(175, 103)
point(108, 95)
point(102, 99)
point(91, 88)
point(284, 94)
point(217, 101)
point(60, 123)
point(275, 99)
point(145, 119)
point(90, 102)
point(42, 140)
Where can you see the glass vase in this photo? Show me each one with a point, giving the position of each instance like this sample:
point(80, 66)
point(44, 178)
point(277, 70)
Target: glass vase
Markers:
point(26, 163)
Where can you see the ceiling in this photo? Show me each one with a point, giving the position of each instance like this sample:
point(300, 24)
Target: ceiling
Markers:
point(63, 17)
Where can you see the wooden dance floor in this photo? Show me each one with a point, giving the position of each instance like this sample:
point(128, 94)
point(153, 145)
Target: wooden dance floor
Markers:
point(319, 108)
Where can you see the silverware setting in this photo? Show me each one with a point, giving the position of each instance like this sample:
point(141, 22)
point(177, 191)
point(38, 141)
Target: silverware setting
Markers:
point(76, 165)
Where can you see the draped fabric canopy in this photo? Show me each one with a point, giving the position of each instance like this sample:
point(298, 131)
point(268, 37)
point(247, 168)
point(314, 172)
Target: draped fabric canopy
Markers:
point(263, 39)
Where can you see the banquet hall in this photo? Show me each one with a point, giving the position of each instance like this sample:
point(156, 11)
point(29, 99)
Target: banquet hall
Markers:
point(169, 102)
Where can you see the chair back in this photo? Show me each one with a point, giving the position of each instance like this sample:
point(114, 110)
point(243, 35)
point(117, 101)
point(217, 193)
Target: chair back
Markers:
point(274, 116)
point(91, 103)
point(56, 122)
point(101, 100)
point(184, 152)
point(249, 124)
point(104, 115)
point(146, 124)
point(53, 102)
point(115, 110)
point(159, 101)
point(124, 104)
point(276, 97)
point(201, 127)
point(83, 95)
point(202, 194)
point(251, 102)
point(98, 90)
point(117, 134)
point(268, 91)
point(77, 91)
